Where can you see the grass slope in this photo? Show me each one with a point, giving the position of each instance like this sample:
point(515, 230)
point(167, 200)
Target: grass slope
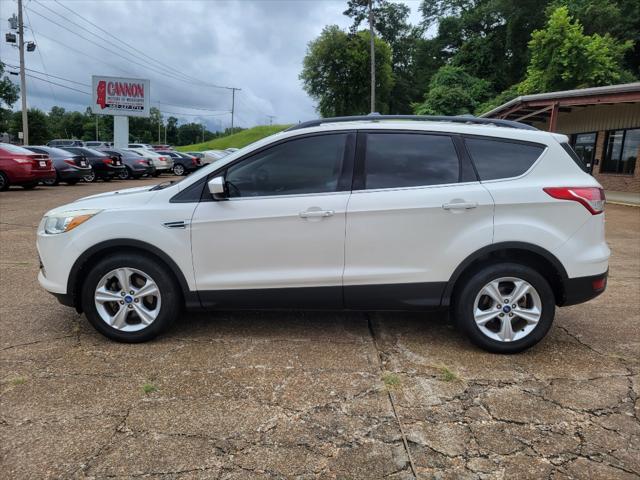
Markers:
point(237, 140)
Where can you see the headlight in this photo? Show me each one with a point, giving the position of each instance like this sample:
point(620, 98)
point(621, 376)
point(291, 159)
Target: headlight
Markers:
point(65, 221)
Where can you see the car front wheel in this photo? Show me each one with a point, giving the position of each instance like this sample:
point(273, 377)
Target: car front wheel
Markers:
point(130, 298)
point(505, 308)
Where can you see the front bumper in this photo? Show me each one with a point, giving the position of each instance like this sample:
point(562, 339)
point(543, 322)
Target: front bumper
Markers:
point(582, 289)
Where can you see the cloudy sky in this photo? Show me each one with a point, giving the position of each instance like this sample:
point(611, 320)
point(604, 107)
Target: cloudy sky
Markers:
point(184, 47)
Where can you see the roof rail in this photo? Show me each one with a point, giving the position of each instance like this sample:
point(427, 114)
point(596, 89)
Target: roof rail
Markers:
point(375, 117)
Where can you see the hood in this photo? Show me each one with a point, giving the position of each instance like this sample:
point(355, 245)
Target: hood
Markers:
point(110, 200)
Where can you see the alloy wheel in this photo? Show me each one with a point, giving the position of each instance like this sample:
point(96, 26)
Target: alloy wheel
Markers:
point(127, 299)
point(178, 169)
point(507, 309)
point(90, 177)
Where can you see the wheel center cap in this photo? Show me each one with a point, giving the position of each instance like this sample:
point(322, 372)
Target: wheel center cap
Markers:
point(128, 299)
point(506, 309)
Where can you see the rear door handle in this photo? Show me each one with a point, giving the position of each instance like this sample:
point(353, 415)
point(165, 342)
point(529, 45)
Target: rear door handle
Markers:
point(316, 213)
point(459, 205)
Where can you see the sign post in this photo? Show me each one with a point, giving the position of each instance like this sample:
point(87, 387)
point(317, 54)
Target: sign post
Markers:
point(121, 98)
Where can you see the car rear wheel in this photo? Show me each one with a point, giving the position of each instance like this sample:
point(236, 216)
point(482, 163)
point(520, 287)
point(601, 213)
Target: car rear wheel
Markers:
point(125, 174)
point(51, 182)
point(178, 169)
point(4, 182)
point(90, 177)
point(505, 308)
point(130, 298)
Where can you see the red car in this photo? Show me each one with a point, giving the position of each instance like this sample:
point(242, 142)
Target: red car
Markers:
point(19, 166)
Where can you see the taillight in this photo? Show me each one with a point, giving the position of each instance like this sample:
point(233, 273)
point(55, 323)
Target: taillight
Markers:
point(142, 162)
point(591, 197)
point(70, 162)
point(108, 161)
point(23, 160)
point(194, 160)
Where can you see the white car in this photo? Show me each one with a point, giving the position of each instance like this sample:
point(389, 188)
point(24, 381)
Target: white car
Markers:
point(494, 219)
point(162, 163)
point(211, 156)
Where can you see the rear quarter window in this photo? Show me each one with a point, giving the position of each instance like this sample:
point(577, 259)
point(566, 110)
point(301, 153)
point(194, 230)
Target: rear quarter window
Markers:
point(495, 159)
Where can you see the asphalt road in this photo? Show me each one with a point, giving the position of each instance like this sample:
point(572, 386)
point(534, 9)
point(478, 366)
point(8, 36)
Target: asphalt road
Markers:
point(312, 395)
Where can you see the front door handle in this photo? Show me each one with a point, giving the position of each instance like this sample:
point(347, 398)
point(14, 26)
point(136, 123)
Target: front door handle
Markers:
point(459, 205)
point(316, 213)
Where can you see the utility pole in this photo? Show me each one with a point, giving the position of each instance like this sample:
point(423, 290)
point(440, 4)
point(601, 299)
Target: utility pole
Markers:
point(203, 133)
point(373, 59)
point(165, 134)
point(97, 134)
point(159, 124)
point(271, 117)
point(233, 103)
point(23, 80)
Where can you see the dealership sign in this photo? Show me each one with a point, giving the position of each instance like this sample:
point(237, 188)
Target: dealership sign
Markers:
point(120, 96)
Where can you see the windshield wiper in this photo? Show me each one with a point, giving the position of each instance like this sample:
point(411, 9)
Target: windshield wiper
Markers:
point(162, 185)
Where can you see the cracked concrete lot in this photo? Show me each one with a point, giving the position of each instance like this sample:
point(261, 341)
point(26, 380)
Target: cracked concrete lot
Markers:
point(308, 394)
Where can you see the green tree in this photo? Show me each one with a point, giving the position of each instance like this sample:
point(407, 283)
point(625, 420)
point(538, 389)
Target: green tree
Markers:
point(452, 91)
point(563, 57)
point(8, 96)
point(38, 127)
point(172, 130)
point(189, 133)
point(391, 25)
point(336, 72)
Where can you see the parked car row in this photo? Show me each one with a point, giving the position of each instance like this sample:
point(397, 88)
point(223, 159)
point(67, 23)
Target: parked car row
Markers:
point(72, 161)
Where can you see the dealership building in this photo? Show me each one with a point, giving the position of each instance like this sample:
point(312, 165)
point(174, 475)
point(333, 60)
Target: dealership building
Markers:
point(603, 125)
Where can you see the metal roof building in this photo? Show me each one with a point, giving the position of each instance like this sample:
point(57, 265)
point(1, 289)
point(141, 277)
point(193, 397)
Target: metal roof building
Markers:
point(603, 124)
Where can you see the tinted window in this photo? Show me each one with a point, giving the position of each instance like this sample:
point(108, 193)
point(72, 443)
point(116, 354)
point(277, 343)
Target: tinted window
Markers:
point(621, 151)
point(501, 159)
point(305, 165)
point(407, 160)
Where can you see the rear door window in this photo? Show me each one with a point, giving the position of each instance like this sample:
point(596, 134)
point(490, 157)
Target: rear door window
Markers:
point(397, 160)
point(496, 159)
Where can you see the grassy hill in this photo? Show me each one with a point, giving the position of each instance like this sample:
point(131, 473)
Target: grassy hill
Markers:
point(237, 140)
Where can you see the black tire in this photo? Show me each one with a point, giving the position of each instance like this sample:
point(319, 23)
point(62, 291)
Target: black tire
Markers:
point(171, 297)
point(178, 169)
point(51, 182)
point(73, 181)
point(30, 186)
point(156, 173)
point(125, 174)
point(90, 177)
point(463, 305)
point(4, 182)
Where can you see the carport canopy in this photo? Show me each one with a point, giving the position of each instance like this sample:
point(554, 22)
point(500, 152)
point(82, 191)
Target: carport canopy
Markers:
point(545, 107)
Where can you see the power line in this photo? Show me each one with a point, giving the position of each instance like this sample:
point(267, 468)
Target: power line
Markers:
point(156, 70)
point(136, 58)
point(44, 67)
point(57, 84)
point(134, 48)
point(191, 107)
point(196, 114)
point(51, 75)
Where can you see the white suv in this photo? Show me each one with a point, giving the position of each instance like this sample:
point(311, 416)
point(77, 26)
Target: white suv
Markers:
point(494, 219)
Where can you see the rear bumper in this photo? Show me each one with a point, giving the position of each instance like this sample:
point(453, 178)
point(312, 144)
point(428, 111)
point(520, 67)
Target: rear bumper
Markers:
point(74, 173)
point(582, 289)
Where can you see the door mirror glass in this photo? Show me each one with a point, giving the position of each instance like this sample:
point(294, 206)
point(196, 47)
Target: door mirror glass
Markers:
point(216, 187)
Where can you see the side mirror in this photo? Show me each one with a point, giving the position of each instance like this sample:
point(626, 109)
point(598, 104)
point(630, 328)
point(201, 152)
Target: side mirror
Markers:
point(217, 188)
